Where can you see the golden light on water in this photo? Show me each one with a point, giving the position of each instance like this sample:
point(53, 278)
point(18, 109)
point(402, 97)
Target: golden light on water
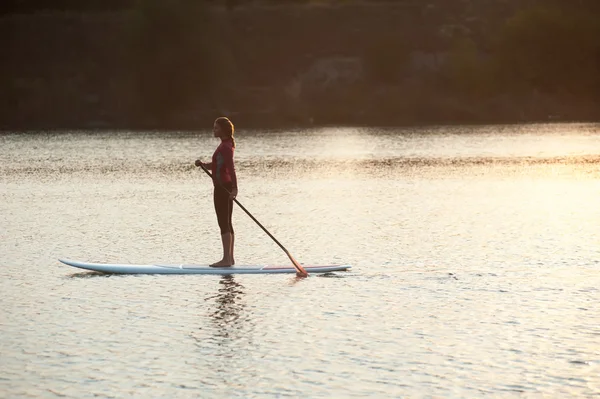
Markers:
point(475, 253)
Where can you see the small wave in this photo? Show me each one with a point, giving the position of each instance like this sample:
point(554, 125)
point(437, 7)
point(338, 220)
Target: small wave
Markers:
point(178, 167)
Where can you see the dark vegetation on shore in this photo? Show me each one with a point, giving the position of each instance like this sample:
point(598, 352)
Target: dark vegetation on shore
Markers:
point(177, 64)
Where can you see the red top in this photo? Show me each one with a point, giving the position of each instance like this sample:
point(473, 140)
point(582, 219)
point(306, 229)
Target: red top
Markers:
point(223, 170)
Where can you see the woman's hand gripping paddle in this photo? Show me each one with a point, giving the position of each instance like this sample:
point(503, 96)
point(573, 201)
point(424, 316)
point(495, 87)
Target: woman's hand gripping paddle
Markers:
point(300, 271)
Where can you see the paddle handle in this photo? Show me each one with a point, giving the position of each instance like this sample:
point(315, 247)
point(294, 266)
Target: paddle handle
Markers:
point(300, 271)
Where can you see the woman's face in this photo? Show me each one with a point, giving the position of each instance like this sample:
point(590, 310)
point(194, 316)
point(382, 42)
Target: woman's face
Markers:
point(217, 130)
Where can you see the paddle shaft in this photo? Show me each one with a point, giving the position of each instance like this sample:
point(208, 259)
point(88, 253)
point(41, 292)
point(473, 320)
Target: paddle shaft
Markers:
point(299, 269)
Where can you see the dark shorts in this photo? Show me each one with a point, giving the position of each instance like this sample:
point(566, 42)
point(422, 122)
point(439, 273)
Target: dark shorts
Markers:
point(223, 207)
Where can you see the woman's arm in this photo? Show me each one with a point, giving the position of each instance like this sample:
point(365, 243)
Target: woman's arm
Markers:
point(229, 166)
point(206, 165)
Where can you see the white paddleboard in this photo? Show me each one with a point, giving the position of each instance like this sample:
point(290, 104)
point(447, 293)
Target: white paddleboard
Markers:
point(197, 269)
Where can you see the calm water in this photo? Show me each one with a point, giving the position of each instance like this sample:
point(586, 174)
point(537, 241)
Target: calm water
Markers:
point(476, 254)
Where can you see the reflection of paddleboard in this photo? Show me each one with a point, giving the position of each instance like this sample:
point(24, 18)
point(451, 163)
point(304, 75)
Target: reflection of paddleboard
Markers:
point(197, 269)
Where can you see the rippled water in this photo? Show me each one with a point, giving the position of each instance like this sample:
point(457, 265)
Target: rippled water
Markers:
point(476, 254)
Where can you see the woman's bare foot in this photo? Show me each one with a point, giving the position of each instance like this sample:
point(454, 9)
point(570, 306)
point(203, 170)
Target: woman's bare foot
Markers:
point(222, 263)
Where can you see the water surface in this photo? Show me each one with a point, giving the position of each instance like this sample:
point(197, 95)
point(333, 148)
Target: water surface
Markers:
point(476, 254)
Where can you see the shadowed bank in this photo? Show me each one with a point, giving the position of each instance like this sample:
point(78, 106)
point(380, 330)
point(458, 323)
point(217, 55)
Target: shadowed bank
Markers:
point(174, 64)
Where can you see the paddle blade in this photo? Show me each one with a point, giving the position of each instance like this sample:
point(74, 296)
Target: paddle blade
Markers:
point(300, 271)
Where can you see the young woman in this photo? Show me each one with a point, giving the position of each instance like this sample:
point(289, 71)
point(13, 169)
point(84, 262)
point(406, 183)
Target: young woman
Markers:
point(225, 184)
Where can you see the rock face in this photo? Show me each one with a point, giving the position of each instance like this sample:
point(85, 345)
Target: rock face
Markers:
point(395, 62)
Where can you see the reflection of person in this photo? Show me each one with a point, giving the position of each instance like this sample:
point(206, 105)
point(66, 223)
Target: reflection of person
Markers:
point(225, 183)
point(227, 310)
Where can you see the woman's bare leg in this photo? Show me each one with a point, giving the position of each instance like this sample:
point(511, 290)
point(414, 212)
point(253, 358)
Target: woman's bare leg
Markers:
point(227, 241)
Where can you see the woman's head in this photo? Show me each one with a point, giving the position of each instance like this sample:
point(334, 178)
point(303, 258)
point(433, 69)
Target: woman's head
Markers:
point(224, 129)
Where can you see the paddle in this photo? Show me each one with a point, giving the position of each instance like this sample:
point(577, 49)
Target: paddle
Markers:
point(300, 271)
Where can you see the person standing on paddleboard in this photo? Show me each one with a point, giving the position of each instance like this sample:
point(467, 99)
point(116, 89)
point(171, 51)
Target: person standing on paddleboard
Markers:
point(225, 186)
